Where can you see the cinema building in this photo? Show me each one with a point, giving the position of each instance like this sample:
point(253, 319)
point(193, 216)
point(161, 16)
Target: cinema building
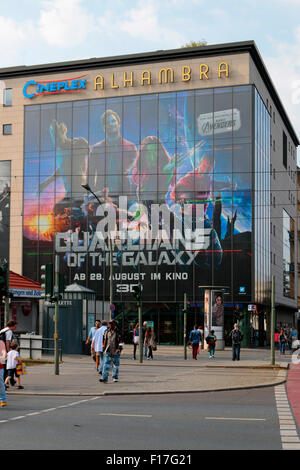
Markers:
point(190, 158)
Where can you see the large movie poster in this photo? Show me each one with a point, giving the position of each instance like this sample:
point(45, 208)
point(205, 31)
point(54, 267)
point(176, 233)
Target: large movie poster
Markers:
point(171, 175)
point(4, 210)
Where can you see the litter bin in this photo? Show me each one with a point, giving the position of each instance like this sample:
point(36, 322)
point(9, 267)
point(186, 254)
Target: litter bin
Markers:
point(31, 346)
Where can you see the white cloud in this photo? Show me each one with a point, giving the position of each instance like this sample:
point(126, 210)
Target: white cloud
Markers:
point(143, 22)
point(14, 37)
point(64, 23)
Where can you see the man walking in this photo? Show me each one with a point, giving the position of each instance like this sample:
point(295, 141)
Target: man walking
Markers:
point(97, 346)
point(195, 338)
point(236, 337)
point(91, 337)
point(111, 352)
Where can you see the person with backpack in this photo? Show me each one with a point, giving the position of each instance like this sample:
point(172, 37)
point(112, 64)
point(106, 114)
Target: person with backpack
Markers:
point(195, 339)
point(6, 335)
point(236, 337)
point(211, 340)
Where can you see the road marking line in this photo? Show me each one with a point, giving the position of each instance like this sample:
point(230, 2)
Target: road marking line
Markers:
point(237, 419)
point(125, 415)
point(36, 413)
point(287, 426)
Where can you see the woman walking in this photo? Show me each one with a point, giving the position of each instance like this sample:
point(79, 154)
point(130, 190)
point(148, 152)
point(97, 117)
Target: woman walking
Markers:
point(136, 337)
point(150, 342)
point(282, 340)
point(211, 341)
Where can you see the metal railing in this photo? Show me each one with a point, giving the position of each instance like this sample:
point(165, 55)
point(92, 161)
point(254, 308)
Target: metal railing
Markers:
point(47, 346)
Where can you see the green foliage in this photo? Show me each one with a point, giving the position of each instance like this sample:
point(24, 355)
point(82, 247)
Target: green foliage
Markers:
point(195, 43)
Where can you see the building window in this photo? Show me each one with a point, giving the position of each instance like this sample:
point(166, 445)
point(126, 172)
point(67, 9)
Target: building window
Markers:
point(7, 129)
point(274, 117)
point(274, 230)
point(274, 173)
point(274, 145)
point(284, 149)
point(7, 97)
point(274, 204)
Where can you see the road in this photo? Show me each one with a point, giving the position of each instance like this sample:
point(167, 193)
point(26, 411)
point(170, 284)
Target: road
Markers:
point(245, 419)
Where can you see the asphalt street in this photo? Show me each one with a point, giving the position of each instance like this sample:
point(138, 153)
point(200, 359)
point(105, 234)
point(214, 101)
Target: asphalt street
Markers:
point(246, 419)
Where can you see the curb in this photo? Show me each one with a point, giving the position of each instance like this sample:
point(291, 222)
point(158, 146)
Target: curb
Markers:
point(162, 392)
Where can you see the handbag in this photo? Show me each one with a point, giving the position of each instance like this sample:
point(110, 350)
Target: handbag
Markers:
point(136, 339)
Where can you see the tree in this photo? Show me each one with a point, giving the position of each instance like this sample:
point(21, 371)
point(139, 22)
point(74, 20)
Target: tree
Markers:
point(195, 43)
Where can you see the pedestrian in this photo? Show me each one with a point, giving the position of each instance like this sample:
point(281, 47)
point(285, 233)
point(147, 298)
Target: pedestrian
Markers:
point(236, 337)
point(150, 342)
point(13, 359)
point(97, 345)
point(201, 345)
point(144, 328)
point(276, 339)
point(7, 336)
point(112, 346)
point(91, 337)
point(3, 354)
point(211, 340)
point(136, 336)
point(282, 340)
point(195, 339)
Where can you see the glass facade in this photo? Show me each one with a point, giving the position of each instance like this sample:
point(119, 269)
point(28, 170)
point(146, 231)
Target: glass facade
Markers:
point(172, 173)
point(262, 244)
point(288, 256)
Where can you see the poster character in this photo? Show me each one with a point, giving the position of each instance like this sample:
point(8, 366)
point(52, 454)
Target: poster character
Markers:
point(113, 156)
point(218, 311)
point(71, 156)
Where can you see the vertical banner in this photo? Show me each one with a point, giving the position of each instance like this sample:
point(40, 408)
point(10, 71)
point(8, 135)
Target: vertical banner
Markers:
point(207, 315)
point(217, 321)
point(4, 209)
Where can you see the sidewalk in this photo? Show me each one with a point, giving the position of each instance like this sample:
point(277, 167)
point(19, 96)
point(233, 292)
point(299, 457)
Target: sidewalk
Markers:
point(167, 373)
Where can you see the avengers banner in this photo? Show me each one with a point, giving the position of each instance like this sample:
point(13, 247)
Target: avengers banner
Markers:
point(169, 181)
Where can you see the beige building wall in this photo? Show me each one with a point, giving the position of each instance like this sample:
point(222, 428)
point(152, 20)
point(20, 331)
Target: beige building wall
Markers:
point(217, 71)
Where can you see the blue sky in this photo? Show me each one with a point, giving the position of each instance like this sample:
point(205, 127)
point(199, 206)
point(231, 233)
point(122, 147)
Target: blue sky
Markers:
point(43, 31)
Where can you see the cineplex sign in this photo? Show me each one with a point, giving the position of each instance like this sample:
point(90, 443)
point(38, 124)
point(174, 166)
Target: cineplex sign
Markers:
point(126, 79)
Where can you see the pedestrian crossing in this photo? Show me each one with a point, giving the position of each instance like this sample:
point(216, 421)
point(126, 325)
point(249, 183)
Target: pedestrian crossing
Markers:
point(288, 428)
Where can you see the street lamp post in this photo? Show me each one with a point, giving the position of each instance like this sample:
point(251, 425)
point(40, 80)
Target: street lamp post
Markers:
point(88, 188)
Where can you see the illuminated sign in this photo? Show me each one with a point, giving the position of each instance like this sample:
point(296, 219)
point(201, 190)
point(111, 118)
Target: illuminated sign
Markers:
point(68, 85)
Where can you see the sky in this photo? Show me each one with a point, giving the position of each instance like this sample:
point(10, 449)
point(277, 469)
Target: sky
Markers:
point(46, 31)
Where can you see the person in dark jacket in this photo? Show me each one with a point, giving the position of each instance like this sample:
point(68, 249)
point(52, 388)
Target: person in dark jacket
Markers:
point(236, 337)
point(194, 339)
point(112, 346)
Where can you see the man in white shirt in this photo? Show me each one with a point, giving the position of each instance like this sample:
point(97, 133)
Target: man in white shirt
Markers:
point(91, 336)
point(98, 348)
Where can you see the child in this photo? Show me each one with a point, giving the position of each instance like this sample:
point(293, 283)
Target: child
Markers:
point(13, 358)
point(211, 341)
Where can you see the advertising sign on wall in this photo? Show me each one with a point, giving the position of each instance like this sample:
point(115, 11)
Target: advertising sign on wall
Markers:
point(171, 204)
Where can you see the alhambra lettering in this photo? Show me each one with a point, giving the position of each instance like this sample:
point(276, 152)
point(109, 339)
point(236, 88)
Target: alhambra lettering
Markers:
point(165, 75)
